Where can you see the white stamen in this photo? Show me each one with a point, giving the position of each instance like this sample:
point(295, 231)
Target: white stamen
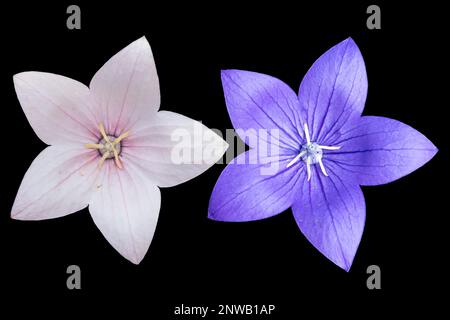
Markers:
point(311, 153)
point(329, 147)
point(308, 139)
point(322, 167)
point(301, 154)
point(308, 168)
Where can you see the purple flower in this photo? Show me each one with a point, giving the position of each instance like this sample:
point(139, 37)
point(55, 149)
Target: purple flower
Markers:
point(324, 152)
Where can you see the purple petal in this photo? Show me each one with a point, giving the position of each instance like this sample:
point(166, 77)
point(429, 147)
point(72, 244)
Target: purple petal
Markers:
point(257, 101)
point(334, 90)
point(330, 212)
point(379, 150)
point(252, 189)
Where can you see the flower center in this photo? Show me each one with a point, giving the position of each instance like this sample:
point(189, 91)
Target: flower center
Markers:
point(312, 153)
point(108, 147)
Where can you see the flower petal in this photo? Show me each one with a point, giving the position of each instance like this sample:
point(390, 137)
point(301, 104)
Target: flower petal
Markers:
point(256, 102)
point(254, 188)
point(172, 148)
point(125, 207)
point(330, 212)
point(126, 88)
point(59, 182)
point(57, 107)
point(334, 90)
point(379, 150)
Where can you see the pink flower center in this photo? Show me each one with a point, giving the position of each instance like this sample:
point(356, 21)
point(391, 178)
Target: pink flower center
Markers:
point(109, 146)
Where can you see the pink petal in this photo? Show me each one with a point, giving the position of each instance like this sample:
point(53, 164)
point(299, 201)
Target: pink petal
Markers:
point(172, 148)
point(126, 88)
point(57, 107)
point(58, 182)
point(125, 208)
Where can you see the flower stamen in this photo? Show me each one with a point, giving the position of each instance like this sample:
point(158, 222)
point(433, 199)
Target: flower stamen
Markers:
point(312, 153)
point(322, 168)
point(102, 160)
point(308, 139)
point(94, 146)
point(121, 137)
point(103, 132)
point(296, 158)
point(116, 159)
point(308, 168)
point(109, 147)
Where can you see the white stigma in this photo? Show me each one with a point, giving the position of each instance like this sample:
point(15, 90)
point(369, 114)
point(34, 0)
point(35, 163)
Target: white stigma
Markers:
point(312, 153)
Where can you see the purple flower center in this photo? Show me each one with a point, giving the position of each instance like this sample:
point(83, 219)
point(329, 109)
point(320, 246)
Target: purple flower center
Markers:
point(312, 153)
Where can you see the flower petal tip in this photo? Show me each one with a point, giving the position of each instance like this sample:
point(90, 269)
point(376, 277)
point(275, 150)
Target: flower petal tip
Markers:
point(217, 216)
point(14, 215)
point(346, 268)
point(18, 78)
point(211, 216)
point(344, 264)
point(225, 73)
point(348, 45)
point(228, 73)
point(135, 260)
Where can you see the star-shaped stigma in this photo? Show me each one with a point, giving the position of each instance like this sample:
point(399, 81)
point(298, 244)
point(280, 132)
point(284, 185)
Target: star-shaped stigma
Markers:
point(312, 153)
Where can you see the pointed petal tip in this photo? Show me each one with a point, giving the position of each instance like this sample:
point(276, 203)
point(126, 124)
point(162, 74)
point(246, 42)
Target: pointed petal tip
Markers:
point(24, 74)
point(346, 268)
point(215, 216)
point(225, 72)
point(225, 145)
point(141, 43)
point(349, 39)
point(20, 76)
point(433, 151)
point(16, 76)
point(211, 216)
point(349, 43)
point(344, 265)
point(135, 260)
point(14, 215)
point(436, 149)
point(228, 72)
point(212, 213)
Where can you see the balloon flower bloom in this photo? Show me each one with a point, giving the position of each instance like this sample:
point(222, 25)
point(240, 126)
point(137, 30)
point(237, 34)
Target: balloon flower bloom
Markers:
point(109, 148)
point(323, 152)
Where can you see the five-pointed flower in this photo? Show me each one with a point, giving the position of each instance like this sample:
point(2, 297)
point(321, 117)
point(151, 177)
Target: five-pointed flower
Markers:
point(325, 151)
point(109, 148)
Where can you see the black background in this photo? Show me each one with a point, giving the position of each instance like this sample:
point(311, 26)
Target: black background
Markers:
point(193, 260)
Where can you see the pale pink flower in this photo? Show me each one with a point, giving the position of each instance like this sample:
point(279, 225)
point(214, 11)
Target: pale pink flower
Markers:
point(109, 148)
